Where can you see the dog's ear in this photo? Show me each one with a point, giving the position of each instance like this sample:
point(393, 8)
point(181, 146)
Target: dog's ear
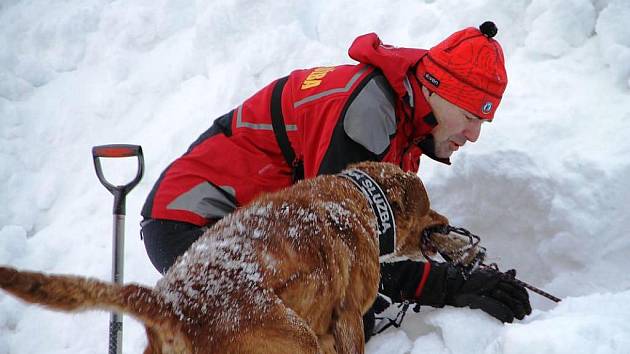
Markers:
point(404, 190)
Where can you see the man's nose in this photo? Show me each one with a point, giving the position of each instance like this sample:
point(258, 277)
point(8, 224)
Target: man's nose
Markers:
point(473, 130)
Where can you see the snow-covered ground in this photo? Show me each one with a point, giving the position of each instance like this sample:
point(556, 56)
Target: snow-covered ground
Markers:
point(546, 186)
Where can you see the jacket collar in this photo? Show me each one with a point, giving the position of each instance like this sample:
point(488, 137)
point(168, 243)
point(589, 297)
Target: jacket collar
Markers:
point(394, 62)
point(399, 65)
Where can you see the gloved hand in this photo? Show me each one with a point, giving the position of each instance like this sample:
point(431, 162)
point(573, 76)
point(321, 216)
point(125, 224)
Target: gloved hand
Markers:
point(400, 280)
point(484, 289)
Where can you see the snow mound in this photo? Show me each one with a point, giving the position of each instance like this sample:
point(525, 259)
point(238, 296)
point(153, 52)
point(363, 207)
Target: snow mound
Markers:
point(574, 326)
point(546, 186)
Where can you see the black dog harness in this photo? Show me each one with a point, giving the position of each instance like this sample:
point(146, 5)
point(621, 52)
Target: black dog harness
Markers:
point(380, 205)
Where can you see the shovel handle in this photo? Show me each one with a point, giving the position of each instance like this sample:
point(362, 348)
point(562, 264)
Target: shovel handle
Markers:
point(116, 151)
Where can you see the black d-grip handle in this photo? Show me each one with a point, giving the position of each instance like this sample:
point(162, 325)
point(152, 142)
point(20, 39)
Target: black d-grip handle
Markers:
point(115, 151)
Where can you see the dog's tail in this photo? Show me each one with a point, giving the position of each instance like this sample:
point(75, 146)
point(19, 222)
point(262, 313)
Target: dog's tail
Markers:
point(75, 294)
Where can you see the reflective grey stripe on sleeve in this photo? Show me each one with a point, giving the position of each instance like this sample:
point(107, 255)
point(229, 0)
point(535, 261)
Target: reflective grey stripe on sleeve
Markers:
point(255, 126)
point(205, 200)
point(371, 119)
point(409, 90)
point(346, 88)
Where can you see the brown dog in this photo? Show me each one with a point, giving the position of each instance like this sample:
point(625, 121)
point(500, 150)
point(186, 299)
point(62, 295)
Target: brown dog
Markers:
point(293, 272)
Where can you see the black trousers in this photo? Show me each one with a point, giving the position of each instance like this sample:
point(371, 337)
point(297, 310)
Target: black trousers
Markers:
point(165, 240)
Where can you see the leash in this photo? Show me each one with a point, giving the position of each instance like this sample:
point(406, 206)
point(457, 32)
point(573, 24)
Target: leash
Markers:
point(396, 322)
point(461, 248)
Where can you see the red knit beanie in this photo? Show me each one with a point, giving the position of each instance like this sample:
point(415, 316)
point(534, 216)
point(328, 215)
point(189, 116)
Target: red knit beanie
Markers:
point(467, 69)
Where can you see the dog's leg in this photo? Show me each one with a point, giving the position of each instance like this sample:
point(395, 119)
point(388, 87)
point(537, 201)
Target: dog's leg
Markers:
point(282, 332)
point(153, 342)
point(348, 332)
point(327, 343)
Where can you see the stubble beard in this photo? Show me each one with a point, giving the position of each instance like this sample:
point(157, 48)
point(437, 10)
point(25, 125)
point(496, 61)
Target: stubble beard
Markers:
point(443, 150)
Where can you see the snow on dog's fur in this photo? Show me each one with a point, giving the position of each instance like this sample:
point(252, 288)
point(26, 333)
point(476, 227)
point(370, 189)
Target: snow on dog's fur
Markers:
point(293, 272)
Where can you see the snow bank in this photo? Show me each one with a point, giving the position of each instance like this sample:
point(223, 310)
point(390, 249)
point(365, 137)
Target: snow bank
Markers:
point(545, 186)
point(615, 38)
point(574, 326)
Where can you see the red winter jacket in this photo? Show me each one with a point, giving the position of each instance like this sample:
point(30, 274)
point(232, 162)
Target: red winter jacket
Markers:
point(333, 116)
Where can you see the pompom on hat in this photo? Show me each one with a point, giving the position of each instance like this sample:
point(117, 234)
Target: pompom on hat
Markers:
point(467, 69)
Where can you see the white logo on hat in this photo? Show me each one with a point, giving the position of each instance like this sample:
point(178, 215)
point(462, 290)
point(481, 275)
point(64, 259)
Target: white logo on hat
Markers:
point(487, 107)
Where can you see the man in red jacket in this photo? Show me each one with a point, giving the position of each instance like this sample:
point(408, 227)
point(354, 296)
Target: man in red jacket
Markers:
point(394, 106)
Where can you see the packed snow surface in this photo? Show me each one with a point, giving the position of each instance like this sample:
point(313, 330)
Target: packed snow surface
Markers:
point(546, 186)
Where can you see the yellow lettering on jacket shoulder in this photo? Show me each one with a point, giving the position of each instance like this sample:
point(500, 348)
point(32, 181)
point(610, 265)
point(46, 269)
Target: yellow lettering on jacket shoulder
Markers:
point(315, 77)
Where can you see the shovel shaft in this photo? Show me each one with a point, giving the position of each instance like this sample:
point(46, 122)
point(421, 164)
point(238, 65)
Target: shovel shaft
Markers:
point(115, 333)
point(118, 264)
point(118, 248)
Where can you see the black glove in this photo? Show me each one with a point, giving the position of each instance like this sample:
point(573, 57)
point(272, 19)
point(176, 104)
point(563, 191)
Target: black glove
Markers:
point(400, 280)
point(485, 289)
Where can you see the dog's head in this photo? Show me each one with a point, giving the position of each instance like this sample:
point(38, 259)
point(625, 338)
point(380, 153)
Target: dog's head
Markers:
point(409, 202)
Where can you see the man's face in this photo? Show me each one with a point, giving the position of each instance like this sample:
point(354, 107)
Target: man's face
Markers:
point(455, 125)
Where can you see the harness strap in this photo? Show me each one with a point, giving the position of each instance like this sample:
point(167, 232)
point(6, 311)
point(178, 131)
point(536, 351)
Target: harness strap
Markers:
point(280, 131)
point(380, 206)
point(386, 322)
